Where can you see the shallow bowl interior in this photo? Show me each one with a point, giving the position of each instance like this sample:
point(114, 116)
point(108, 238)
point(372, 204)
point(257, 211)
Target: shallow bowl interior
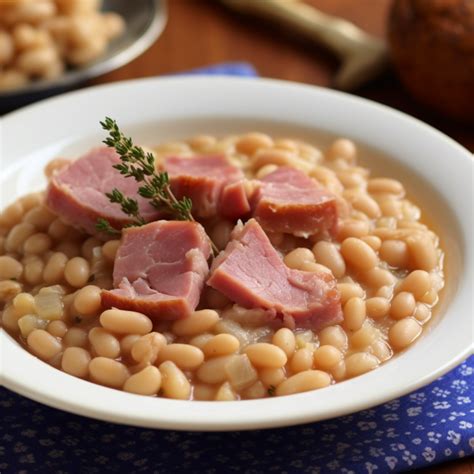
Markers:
point(436, 171)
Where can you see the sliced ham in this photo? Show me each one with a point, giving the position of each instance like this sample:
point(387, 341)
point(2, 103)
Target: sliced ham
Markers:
point(251, 273)
point(77, 192)
point(290, 202)
point(234, 203)
point(203, 179)
point(160, 269)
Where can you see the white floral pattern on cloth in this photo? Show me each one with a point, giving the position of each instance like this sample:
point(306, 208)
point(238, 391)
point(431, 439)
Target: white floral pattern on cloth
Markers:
point(426, 427)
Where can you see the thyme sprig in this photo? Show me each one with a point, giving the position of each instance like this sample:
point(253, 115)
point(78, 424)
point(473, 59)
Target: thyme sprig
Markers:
point(128, 205)
point(103, 225)
point(140, 165)
point(155, 186)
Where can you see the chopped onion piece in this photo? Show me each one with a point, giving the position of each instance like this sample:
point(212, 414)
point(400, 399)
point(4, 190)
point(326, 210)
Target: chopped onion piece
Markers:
point(49, 305)
point(255, 317)
point(29, 322)
point(225, 393)
point(245, 336)
point(303, 338)
point(58, 289)
point(257, 390)
point(241, 372)
point(228, 326)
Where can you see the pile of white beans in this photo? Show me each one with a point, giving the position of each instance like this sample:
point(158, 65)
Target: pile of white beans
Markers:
point(40, 38)
point(388, 265)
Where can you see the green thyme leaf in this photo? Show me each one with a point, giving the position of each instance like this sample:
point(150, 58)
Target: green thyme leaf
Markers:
point(155, 186)
point(103, 225)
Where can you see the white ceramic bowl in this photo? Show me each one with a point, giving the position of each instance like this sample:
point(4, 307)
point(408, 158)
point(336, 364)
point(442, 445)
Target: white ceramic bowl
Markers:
point(156, 109)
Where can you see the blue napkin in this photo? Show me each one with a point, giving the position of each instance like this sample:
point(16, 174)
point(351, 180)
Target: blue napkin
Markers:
point(224, 69)
point(426, 427)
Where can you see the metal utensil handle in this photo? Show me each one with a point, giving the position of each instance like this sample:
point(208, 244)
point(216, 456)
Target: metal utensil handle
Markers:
point(338, 35)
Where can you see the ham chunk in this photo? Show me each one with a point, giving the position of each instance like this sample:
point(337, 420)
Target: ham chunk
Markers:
point(160, 269)
point(234, 203)
point(290, 202)
point(251, 273)
point(203, 179)
point(77, 192)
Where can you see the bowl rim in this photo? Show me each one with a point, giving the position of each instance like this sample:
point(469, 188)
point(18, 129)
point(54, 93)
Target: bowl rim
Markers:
point(70, 77)
point(37, 380)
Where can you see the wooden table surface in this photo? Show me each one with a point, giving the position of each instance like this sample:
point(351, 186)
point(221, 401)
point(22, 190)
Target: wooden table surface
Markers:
point(202, 32)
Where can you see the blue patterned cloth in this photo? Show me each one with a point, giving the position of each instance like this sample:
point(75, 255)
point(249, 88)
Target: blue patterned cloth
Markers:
point(226, 69)
point(426, 427)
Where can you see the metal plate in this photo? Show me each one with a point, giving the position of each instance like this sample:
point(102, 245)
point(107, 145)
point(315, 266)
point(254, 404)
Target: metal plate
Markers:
point(145, 20)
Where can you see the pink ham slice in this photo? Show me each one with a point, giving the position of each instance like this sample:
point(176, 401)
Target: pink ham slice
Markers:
point(252, 273)
point(77, 193)
point(160, 269)
point(234, 203)
point(290, 202)
point(203, 179)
